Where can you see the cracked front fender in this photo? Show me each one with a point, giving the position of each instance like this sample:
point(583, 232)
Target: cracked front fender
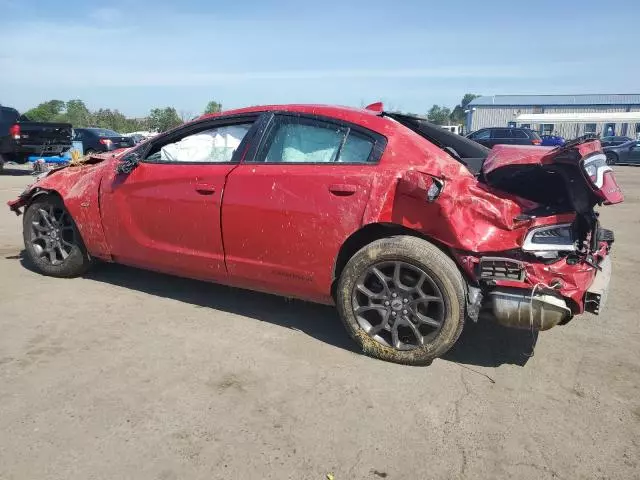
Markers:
point(79, 188)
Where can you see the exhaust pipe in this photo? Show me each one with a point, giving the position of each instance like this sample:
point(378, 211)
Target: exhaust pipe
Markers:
point(515, 308)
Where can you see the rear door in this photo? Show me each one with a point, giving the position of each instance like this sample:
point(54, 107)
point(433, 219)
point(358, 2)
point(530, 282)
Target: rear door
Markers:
point(520, 137)
point(290, 207)
point(634, 153)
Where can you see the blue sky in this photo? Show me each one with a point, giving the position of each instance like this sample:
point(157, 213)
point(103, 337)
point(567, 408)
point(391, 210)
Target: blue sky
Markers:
point(134, 56)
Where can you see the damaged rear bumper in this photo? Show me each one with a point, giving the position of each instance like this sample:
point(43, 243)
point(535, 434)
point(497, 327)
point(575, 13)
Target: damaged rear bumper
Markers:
point(596, 297)
point(537, 295)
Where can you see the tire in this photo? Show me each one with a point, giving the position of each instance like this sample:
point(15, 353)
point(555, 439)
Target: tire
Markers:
point(612, 158)
point(370, 270)
point(90, 151)
point(66, 257)
point(2, 160)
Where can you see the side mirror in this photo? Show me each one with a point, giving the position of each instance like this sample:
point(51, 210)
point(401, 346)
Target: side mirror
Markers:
point(128, 162)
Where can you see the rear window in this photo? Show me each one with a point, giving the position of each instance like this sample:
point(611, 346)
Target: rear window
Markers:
point(501, 133)
point(533, 135)
point(103, 132)
point(8, 115)
point(519, 134)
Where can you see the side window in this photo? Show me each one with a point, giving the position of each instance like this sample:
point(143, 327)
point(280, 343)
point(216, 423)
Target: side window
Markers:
point(482, 135)
point(78, 135)
point(501, 133)
point(303, 140)
point(208, 145)
point(356, 149)
point(519, 134)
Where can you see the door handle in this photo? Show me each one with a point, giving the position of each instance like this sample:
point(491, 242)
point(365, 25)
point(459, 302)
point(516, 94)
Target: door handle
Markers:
point(343, 189)
point(205, 188)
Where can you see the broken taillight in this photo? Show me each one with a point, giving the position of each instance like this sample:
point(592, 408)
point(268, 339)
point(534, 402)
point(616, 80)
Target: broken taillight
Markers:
point(14, 131)
point(105, 141)
point(536, 141)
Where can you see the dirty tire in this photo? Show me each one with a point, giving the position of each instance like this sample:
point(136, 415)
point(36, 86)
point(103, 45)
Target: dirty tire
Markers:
point(430, 259)
point(77, 260)
point(612, 158)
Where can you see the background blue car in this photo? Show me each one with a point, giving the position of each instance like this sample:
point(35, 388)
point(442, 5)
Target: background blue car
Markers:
point(552, 140)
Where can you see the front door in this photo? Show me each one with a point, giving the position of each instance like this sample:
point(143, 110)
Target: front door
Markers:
point(165, 214)
point(288, 210)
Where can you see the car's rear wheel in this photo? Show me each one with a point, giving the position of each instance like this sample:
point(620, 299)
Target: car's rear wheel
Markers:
point(612, 158)
point(402, 300)
point(52, 240)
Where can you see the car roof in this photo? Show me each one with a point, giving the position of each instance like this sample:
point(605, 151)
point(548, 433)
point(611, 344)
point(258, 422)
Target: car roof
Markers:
point(367, 118)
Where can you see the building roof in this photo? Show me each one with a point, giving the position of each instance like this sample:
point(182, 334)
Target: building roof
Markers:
point(532, 100)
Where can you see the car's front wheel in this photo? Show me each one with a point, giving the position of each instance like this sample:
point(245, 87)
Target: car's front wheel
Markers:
point(612, 158)
point(52, 240)
point(402, 300)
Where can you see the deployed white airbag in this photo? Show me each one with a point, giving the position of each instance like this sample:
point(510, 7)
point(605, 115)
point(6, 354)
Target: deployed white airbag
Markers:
point(215, 145)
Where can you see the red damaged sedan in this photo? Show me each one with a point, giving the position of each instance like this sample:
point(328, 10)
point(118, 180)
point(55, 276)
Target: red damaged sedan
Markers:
point(385, 215)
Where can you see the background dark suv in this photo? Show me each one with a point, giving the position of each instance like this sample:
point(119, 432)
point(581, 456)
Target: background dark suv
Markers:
point(511, 136)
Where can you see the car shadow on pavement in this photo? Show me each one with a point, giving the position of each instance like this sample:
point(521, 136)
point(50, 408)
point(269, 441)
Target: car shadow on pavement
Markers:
point(483, 344)
point(489, 344)
point(318, 321)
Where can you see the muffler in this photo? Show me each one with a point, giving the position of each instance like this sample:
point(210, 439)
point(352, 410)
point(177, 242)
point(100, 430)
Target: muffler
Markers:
point(515, 308)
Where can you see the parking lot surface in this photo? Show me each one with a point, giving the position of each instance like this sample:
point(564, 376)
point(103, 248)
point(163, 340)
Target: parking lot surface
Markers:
point(137, 375)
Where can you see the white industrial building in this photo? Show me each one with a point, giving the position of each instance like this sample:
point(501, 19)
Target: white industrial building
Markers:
point(567, 115)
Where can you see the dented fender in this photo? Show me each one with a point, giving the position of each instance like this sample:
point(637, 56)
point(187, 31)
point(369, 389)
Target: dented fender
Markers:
point(79, 188)
point(467, 215)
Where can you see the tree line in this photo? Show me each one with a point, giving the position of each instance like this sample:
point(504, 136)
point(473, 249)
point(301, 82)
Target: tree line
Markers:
point(162, 119)
point(445, 116)
point(77, 114)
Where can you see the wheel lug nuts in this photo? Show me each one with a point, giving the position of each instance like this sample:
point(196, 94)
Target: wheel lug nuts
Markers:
point(406, 300)
point(387, 303)
point(393, 314)
point(404, 312)
point(394, 295)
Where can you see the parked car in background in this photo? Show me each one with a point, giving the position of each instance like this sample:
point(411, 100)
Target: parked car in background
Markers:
point(628, 152)
point(452, 128)
point(613, 141)
point(97, 140)
point(373, 211)
point(505, 136)
point(136, 137)
point(552, 140)
point(21, 138)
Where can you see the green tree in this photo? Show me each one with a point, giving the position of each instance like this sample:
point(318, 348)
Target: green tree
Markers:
point(458, 116)
point(46, 111)
point(163, 119)
point(111, 119)
point(213, 107)
point(77, 114)
point(439, 115)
